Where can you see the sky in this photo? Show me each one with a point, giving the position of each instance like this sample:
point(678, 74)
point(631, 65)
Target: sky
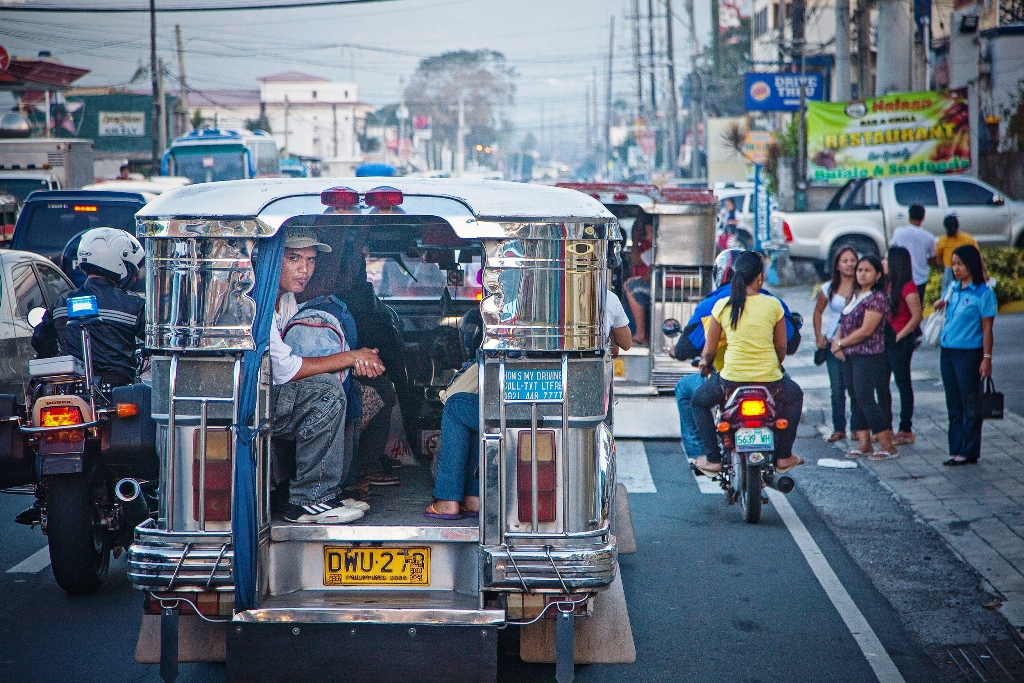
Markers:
point(556, 46)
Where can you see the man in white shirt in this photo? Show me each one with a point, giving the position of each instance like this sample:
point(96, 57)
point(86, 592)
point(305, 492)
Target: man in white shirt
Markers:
point(308, 399)
point(919, 242)
point(616, 324)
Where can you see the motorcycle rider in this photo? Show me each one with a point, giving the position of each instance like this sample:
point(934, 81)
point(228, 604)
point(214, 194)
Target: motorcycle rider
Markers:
point(691, 343)
point(112, 260)
point(754, 326)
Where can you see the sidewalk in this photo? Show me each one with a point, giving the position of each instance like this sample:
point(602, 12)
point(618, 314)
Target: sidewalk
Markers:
point(978, 510)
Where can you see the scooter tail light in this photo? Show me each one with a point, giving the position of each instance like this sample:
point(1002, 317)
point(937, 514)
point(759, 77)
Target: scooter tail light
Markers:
point(340, 198)
point(60, 416)
point(753, 407)
point(787, 232)
point(127, 409)
point(781, 423)
point(384, 197)
point(723, 426)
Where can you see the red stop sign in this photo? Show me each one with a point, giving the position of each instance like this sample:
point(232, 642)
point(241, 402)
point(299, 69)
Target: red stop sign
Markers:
point(5, 59)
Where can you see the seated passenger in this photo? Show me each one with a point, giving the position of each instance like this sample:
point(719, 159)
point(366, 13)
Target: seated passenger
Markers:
point(111, 258)
point(755, 328)
point(309, 402)
point(638, 287)
point(457, 486)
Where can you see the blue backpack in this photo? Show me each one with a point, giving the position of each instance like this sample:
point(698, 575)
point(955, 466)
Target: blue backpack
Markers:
point(322, 327)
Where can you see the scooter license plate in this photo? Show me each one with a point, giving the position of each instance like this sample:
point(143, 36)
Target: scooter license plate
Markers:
point(754, 439)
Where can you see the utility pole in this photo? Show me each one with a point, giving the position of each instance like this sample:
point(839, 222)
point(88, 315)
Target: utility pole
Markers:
point(286, 104)
point(608, 100)
point(716, 39)
point(694, 109)
point(460, 154)
point(162, 128)
point(650, 56)
point(183, 101)
point(864, 88)
point(673, 95)
point(841, 91)
point(334, 139)
point(638, 64)
point(799, 52)
point(157, 104)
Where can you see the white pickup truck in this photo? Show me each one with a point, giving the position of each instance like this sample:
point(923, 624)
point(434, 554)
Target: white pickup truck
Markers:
point(864, 213)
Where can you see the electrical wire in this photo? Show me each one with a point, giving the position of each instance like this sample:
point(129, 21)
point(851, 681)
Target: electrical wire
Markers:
point(203, 7)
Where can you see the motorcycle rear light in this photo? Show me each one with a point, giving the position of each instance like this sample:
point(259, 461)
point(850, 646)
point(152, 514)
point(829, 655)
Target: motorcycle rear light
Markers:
point(340, 198)
point(723, 426)
point(781, 423)
point(751, 424)
point(64, 436)
point(60, 416)
point(787, 232)
point(127, 409)
point(545, 476)
point(384, 197)
point(753, 407)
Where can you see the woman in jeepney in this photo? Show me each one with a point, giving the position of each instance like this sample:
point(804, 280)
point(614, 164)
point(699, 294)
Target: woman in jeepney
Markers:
point(457, 486)
point(754, 325)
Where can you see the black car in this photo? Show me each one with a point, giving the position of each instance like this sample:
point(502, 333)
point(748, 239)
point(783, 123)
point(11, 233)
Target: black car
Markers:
point(50, 219)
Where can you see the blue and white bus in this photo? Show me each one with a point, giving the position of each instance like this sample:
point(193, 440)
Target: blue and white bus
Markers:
point(214, 154)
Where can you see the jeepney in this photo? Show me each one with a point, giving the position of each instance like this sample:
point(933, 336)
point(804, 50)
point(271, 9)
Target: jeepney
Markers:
point(301, 601)
point(683, 239)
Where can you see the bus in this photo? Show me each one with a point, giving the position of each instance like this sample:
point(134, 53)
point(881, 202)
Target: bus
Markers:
point(214, 154)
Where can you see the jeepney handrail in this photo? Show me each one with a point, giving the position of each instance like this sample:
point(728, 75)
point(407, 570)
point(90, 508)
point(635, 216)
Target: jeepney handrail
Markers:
point(547, 553)
point(593, 533)
point(177, 567)
point(216, 565)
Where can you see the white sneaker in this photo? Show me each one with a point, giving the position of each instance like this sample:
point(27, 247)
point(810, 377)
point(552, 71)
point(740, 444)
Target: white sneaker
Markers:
point(321, 513)
point(353, 503)
point(339, 515)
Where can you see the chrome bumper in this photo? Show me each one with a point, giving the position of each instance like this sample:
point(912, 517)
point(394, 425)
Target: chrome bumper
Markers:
point(549, 569)
point(166, 561)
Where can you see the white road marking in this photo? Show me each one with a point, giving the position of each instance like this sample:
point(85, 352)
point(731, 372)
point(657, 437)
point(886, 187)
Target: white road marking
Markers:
point(860, 629)
point(33, 564)
point(632, 468)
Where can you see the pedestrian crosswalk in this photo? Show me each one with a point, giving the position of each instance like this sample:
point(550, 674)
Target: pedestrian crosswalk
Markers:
point(631, 467)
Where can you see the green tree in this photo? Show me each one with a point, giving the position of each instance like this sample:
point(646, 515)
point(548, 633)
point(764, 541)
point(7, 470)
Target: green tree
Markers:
point(198, 120)
point(481, 79)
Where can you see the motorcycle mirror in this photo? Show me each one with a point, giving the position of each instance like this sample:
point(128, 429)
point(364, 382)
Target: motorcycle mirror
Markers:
point(671, 328)
point(35, 316)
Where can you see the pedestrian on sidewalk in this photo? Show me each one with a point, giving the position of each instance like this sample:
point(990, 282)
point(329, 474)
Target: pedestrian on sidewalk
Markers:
point(919, 242)
point(965, 352)
point(947, 244)
point(834, 296)
point(905, 313)
point(860, 343)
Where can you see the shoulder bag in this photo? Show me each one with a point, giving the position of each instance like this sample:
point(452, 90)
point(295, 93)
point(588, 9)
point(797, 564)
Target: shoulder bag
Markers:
point(931, 329)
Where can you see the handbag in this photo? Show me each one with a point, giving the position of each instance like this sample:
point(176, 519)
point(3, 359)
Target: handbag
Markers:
point(990, 401)
point(931, 329)
point(820, 356)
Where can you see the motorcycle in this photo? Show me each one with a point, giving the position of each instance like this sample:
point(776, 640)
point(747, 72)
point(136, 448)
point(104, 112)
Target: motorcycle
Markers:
point(746, 426)
point(96, 462)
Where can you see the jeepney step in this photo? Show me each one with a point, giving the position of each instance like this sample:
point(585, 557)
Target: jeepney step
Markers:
point(374, 607)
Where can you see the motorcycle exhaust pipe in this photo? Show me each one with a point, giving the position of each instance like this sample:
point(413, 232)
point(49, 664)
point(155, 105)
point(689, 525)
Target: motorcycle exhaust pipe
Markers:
point(782, 484)
point(134, 508)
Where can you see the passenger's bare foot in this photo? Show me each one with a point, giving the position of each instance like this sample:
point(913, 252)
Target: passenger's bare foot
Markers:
point(784, 465)
point(471, 504)
point(706, 466)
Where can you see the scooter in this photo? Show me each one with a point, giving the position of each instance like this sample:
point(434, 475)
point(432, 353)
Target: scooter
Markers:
point(96, 462)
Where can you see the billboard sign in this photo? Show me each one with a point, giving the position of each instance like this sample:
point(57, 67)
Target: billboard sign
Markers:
point(778, 91)
point(895, 135)
point(122, 123)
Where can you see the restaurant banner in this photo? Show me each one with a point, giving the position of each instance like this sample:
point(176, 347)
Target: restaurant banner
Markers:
point(896, 135)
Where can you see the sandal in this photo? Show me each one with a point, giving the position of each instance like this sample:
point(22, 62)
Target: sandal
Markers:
point(783, 470)
point(701, 465)
point(433, 513)
point(903, 438)
point(855, 453)
point(466, 512)
point(836, 436)
point(382, 479)
point(884, 455)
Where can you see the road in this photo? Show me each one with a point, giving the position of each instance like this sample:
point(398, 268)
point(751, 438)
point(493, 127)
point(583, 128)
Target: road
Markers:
point(710, 598)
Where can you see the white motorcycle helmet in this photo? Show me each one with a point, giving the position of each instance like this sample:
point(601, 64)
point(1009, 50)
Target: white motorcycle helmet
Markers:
point(111, 253)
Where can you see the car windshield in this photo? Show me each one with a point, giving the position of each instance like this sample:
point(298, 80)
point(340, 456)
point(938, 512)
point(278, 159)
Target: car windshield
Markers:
point(51, 224)
point(413, 278)
point(209, 164)
point(22, 187)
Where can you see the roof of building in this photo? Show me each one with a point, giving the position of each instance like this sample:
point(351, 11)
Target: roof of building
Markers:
point(224, 97)
point(292, 77)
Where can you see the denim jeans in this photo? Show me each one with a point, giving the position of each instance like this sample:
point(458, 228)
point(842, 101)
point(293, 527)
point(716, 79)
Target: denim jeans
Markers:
point(789, 404)
point(459, 457)
point(899, 354)
point(867, 380)
point(962, 382)
point(311, 412)
point(685, 388)
point(837, 387)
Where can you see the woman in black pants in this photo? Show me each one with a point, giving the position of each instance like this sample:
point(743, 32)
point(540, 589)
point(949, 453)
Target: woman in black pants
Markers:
point(905, 317)
point(861, 344)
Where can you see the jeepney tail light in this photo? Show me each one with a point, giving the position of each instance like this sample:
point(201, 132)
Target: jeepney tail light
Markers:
point(60, 416)
point(340, 198)
point(545, 475)
point(384, 197)
point(218, 475)
point(620, 197)
point(787, 232)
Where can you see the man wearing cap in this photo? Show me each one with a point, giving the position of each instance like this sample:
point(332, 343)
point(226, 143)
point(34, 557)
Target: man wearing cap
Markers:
point(308, 398)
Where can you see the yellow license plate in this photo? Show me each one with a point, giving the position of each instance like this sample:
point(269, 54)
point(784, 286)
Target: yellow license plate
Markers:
point(620, 367)
point(376, 566)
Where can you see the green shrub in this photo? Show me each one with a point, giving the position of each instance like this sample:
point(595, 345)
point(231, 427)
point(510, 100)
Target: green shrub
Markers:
point(1005, 264)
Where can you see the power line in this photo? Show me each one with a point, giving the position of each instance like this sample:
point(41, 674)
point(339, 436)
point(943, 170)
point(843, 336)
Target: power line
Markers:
point(292, 4)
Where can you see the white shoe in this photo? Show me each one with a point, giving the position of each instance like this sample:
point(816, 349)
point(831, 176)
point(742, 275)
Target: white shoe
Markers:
point(339, 515)
point(353, 503)
point(321, 513)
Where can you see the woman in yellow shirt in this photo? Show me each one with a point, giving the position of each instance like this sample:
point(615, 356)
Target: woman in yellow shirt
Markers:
point(754, 328)
point(947, 244)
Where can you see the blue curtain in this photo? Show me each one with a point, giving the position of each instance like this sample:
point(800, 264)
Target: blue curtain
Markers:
point(244, 519)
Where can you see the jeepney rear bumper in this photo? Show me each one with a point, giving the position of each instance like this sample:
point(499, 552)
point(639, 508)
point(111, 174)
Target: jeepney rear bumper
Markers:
point(548, 568)
point(165, 561)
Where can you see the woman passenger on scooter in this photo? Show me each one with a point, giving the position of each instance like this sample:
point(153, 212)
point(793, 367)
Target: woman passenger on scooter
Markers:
point(755, 329)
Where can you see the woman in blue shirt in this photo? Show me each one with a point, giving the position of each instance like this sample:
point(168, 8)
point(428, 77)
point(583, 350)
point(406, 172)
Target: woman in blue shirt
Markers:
point(966, 352)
